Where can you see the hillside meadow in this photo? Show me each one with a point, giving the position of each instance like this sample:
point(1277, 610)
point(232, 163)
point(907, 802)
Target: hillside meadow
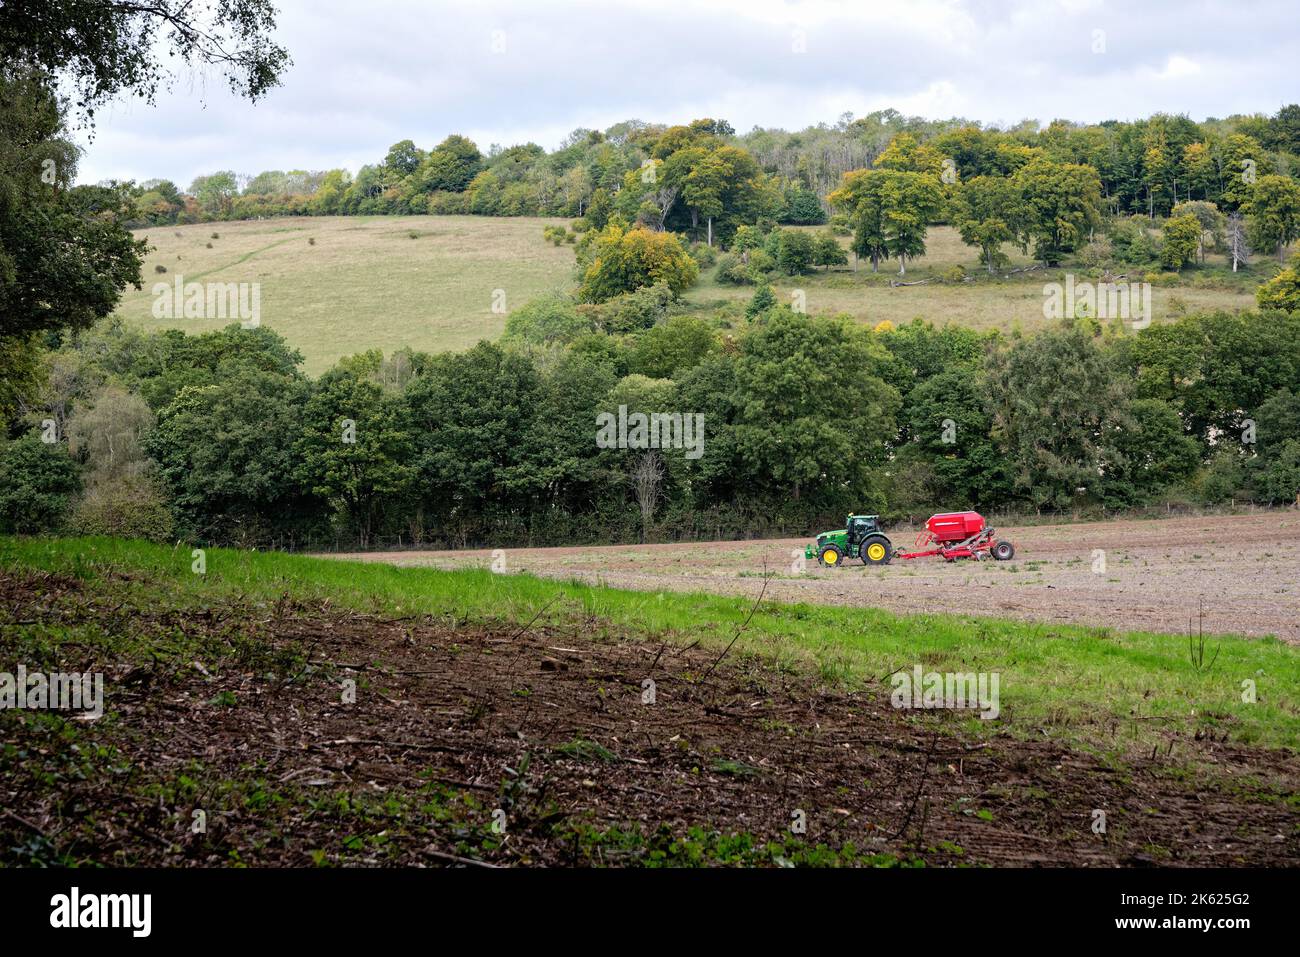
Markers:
point(334, 286)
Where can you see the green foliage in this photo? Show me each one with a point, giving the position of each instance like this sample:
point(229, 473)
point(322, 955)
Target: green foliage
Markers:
point(634, 311)
point(226, 455)
point(1282, 292)
point(37, 483)
point(106, 48)
point(451, 166)
point(1057, 402)
point(794, 428)
point(470, 416)
point(1130, 242)
point(796, 252)
point(733, 271)
point(890, 210)
point(802, 207)
point(763, 300)
point(1149, 455)
point(1182, 240)
point(354, 448)
point(65, 251)
point(1062, 203)
point(130, 506)
point(828, 251)
point(675, 346)
point(1280, 477)
point(546, 321)
point(1274, 213)
point(989, 211)
point(1215, 368)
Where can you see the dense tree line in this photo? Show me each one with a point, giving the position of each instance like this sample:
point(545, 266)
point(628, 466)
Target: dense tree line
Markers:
point(1145, 166)
point(220, 438)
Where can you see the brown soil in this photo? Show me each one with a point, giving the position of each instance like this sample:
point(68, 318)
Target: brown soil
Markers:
point(1245, 567)
point(451, 723)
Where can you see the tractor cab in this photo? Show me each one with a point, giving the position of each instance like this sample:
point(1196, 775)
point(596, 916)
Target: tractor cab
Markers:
point(857, 528)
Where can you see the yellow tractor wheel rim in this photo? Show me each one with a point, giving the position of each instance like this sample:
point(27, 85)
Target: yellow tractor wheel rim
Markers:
point(831, 558)
point(876, 552)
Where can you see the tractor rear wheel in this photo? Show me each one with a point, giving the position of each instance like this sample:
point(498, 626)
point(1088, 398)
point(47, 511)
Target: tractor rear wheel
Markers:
point(1004, 551)
point(830, 556)
point(876, 550)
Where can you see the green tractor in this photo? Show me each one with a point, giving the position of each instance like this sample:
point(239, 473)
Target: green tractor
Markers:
point(860, 536)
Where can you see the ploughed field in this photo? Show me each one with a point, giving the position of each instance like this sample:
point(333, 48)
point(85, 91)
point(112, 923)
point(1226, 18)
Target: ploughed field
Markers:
point(301, 732)
point(1242, 571)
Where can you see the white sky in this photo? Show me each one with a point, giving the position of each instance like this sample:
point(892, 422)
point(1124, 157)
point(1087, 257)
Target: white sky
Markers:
point(368, 73)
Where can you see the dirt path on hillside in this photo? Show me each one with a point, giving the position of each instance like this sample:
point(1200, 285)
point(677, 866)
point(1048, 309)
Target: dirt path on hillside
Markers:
point(1149, 575)
point(549, 732)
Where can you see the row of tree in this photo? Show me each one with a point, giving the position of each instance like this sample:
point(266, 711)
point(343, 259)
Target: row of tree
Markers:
point(220, 438)
point(1145, 166)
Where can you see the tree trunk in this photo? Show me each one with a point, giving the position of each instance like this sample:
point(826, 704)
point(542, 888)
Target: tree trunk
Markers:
point(710, 232)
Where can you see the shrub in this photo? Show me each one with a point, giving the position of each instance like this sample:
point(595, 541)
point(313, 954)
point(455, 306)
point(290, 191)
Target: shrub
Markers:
point(132, 506)
point(547, 320)
point(733, 272)
point(37, 482)
point(764, 299)
point(704, 255)
point(761, 262)
point(796, 253)
point(642, 309)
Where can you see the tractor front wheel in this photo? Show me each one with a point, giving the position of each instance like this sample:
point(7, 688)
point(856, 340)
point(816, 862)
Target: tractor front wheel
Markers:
point(876, 550)
point(830, 556)
point(1004, 551)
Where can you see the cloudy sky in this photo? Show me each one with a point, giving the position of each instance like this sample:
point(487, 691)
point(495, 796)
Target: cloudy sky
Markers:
point(368, 73)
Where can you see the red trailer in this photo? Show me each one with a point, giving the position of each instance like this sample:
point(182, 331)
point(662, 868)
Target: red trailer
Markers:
point(956, 535)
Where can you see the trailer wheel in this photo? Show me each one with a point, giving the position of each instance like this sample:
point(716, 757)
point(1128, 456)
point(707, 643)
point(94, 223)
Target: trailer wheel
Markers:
point(876, 550)
point(830, 556)
point(1004, 551)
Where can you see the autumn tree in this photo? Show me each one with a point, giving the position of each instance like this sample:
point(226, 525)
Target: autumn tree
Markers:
point(988, 211)
point(1061, 206)
point(619, 261)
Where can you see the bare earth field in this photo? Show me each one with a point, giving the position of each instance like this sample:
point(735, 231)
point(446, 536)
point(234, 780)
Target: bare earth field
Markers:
point(545, 730)
point(1246, 568)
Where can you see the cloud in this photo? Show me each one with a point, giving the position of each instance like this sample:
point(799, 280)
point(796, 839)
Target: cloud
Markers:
point(509, 71)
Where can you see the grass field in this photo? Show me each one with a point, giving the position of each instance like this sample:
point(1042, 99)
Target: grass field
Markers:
point(364, 283)
point(981, 304)
point(334, 286)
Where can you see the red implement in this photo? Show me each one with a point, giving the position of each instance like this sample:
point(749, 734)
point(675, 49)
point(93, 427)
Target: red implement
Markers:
point(956, 535)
